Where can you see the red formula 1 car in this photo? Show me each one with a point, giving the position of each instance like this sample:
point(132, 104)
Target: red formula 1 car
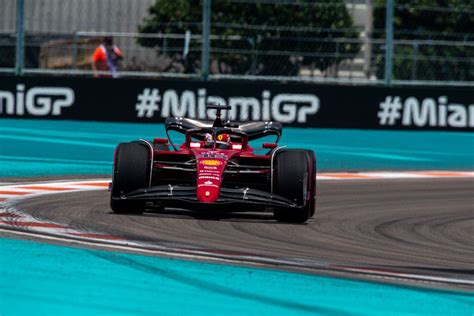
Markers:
point(215, 168)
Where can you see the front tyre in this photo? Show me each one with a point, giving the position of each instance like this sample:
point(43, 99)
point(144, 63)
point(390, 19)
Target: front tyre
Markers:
point(313, 172)
point(131, 172)
point(292, 178)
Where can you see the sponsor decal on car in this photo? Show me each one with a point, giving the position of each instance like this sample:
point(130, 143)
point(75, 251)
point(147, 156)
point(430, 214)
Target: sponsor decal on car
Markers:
point(208, 185)
point(211, 162)
point(211, 177)
point(212, 154)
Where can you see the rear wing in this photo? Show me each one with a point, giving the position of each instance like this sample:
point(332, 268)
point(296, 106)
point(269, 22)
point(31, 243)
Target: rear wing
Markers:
point(254, 130)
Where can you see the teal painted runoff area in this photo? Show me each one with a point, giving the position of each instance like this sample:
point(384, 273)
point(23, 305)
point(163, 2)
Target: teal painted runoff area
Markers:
point(47, 147)
point(43, 279)
point(74, 281)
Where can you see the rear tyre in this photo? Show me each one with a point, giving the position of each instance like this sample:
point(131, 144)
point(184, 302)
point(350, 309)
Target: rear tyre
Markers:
point(292, 179)
point(131, 172)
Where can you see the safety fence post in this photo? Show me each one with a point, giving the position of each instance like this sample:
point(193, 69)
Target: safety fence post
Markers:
point(206, 30)
point(20, 37)
point(388, 42)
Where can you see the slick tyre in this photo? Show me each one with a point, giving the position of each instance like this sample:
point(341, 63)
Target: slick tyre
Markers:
point(292, 174)
point(312, 171)
point(131, 172)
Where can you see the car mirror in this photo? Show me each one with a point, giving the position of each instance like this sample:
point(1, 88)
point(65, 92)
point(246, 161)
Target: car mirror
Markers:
point(269, 145)
point(160, 141)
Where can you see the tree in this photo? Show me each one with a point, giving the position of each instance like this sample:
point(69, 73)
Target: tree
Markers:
point(258, 37)
point(446, 23)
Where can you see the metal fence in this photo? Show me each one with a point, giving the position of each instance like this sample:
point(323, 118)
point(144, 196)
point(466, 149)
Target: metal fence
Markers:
point(339, 41)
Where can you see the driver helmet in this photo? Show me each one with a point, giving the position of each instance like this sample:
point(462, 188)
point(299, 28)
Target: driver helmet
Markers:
point(208, 138)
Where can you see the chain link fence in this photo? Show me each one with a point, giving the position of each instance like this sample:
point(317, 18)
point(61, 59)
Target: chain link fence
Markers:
point(432, 40)
point(341, 41)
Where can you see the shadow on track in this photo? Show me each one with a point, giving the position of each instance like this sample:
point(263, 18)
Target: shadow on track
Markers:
point(213, 215)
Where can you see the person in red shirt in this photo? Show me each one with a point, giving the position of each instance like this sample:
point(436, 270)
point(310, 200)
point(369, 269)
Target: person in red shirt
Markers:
point(106, 57)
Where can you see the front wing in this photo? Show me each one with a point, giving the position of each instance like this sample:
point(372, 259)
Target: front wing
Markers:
point(186, 195)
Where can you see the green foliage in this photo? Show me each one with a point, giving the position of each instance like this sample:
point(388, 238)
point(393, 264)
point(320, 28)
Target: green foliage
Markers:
point(259, 37)
point(425, 20)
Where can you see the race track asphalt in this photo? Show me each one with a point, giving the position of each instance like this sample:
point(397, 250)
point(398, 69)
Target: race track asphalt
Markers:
point(422, 223)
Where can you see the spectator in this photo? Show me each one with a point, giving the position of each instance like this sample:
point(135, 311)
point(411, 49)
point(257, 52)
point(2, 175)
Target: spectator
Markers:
point(106, 58)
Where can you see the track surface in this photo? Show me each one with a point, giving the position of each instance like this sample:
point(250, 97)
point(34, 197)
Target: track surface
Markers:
point(398, 223)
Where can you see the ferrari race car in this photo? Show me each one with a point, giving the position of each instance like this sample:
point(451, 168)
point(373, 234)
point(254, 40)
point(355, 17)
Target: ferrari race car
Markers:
point(215, 168)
